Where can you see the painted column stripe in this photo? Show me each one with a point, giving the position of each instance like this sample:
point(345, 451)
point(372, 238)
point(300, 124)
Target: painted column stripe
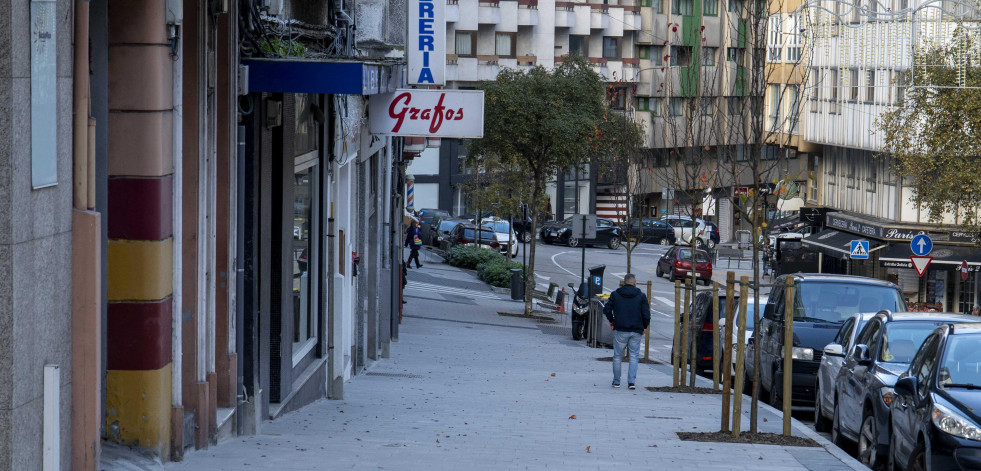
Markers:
point(138, 407)
point(140, 208)
point(140, 270)
point(138, 335)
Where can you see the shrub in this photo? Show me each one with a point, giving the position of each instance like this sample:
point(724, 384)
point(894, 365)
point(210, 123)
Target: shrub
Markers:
point(465, 256)
point(497, 272)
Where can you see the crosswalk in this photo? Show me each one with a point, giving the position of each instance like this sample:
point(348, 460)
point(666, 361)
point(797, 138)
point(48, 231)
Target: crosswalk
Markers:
point(431, 288)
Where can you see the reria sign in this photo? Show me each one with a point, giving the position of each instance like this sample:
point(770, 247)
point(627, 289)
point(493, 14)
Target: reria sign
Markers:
point(427, 42)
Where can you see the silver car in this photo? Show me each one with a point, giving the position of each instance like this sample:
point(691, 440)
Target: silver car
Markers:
point(831, 362)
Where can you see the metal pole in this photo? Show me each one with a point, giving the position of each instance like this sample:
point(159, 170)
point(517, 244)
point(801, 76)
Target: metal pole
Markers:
point(716, 360)
point(676, 347)
point(582, 242)
point(647, 331)
point(685, 332)
point(737, 406)
point(727, 351)
point(695, 333)
point(788, 353)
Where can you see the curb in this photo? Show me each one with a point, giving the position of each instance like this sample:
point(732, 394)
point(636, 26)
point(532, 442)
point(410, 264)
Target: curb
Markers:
point(813, 435)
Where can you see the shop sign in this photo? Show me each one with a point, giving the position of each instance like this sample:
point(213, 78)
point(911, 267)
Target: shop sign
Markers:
point(738, 191)
point(426, 45)
point(964, 270)
point(429, 113)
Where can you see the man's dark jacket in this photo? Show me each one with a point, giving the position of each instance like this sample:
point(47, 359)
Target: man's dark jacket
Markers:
point(628, 309)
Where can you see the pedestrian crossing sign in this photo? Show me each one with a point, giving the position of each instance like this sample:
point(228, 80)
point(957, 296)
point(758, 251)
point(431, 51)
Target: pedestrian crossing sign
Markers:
point(860, 250)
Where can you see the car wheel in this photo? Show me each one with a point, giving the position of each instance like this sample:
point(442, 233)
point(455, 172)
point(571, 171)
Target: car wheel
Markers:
point(868, 442)
point(917, 461)
point(710, 244)
point(836, 426)
point(776, 399)
point(664, 241)
point(672, 276)
point(747, 383)
point(699, 244)
point(573, 242)
point(658, 272)
point(547, 240)
point(821, 423)
point(614, 243)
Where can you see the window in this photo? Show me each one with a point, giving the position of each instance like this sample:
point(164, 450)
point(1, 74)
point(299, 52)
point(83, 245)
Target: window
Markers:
point(683, 7)
point(795, 48)
point(735, 54)
point(793, 94)
point(870, 87)
point(616, 97)
point(644, 52)
point(579, 46)
point(659, 6)
point(466, 43)
point(710, 7)
point(680, 56)
point(306, 135)
point(814, 93)
point(676, 106)
point(773, 95)
point(708, 56)
point(900, 87)
point(774, 40)
point(657, 55)
point(505, 45)
point(736, 6)
point(610, 48)
point(708, 106)
point(654, 105)
point(833, 84)
point(853, 84)
point(923, 362)
point(735, 106)
point(303, 286)
point(845, 333)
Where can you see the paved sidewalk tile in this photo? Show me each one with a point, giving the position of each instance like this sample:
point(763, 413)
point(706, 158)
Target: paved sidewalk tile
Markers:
point(467, 388)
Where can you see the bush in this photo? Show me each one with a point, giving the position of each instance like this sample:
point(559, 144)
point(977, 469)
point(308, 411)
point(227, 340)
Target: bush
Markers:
point(497, 272)
point(465, 256)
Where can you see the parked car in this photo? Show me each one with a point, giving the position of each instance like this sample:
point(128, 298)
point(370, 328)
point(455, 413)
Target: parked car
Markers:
point(468, 234)
point(505, 236)
point(822, 302)
point(702, 324)
point(864, 387)
point(677, 263)
point(442, 229)
point(651, 231)
point(831, 361)
point(522, 229)
point(713, 231)
point(426, 217)
point(751, 321)
point(936, 411)
point(685, 228)
point(607, 233)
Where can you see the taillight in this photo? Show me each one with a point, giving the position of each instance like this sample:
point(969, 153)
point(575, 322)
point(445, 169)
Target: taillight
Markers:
point(495, 245)
point(706, 358)
point(677, 263)
point(707, 327)
point(709, 266)
point(462, 240)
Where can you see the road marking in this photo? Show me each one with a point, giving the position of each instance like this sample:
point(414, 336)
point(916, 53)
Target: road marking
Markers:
point(546, 278)
point(664, 300)
point(661, 313)
point(619, 275)
point(608, 290)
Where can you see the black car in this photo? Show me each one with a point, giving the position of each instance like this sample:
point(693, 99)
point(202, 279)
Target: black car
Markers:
point(702, 326)
point(864, 387)
point(560, 232)
point(441, 229)
point(935, 413)
point(426, 219)
point(650, 230)
point(468, 234)
point(821, 303)
point(713, 232)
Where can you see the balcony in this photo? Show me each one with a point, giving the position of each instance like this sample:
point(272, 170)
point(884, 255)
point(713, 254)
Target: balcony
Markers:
point(452, 11)
point(565, 17)
point(489, 12)
point(599, 17)
point(527, 12)
point(631, 18)
point(631, 67)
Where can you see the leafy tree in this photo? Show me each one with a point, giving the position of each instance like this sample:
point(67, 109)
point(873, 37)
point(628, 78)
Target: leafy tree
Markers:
point(538, 123)
point(932, 135)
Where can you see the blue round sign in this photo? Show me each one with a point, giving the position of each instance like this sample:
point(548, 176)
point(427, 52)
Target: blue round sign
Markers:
point(921, 245)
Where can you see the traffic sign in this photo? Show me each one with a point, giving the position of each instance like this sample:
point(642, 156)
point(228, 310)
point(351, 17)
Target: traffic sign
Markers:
point(584, 226)
point(860, 250)
point(964, 270)
point(921, 264)
point(921, 245)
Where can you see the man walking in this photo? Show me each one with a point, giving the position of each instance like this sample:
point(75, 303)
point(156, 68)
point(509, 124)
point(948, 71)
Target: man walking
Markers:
point(414, 243)
point(629, 314)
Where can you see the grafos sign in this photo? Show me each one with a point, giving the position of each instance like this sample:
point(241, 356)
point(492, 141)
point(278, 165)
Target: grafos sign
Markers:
point(428, 113)
point(426, 47)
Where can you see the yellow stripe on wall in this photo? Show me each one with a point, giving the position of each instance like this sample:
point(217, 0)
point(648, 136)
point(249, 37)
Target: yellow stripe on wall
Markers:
point(140, 270)
point(138, 408)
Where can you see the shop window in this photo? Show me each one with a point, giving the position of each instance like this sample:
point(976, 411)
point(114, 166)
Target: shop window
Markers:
point(307, 136)
point(304, 251)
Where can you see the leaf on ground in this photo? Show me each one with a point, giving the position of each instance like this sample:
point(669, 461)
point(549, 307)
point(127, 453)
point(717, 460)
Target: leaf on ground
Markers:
point(764, 419)
point(553, 374)
point(573, 416)
point(587, 450)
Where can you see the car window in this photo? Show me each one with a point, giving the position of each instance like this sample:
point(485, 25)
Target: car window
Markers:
point(775, 303)
point(962, 360)
point(700, 257)
point(498, 226)
point(447, 225)
point(836, 301)
point(635, 224)
point(923, 362)
point(901, 339)
point(867, 335)
point(604, 223)
point(845, 333)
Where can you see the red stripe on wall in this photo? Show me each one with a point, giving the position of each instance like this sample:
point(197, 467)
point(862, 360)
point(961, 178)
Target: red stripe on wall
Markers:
point(138, 335)
point(140, 208)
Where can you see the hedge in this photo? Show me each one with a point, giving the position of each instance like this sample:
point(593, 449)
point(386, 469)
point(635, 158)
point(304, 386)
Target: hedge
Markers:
point(465, 256)
point(497, 272)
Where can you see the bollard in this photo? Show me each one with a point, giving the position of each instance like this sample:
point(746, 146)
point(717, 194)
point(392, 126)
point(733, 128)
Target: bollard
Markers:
point(551, 289)
point(675, 348)
point(727, 351)
point(716, 358)
point(737, 405)
point(788, 353)
point(647, 331)
point(517, 286)
point(685, 332)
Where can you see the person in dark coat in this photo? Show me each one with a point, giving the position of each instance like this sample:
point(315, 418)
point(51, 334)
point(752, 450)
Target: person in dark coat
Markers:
point(413, 240)
point(629, 313)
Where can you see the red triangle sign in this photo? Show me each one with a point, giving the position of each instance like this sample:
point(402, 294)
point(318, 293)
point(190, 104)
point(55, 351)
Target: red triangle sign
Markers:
point(920, 264)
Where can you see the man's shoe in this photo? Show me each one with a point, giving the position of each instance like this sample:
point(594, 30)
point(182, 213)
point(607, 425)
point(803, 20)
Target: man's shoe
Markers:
point(616, 384)
point(631, 386)
point(419, 266)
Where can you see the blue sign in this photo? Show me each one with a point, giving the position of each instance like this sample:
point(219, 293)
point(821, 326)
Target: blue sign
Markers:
point(597, 280)
point(921, 245)
point(860, 250)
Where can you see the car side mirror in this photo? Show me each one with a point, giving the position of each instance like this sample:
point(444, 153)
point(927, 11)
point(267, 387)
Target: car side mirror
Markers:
point(906, 386)
point(861, 354)
point(834, 349)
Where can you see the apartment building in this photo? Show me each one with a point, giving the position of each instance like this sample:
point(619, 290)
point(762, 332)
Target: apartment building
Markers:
point(520, 34)
point(854, 64)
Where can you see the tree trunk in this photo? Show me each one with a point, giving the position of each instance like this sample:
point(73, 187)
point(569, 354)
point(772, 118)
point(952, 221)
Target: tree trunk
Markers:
point(534, 210)
point(754, 404)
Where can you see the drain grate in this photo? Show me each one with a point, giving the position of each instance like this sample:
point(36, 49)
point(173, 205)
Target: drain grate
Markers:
point(392, 375)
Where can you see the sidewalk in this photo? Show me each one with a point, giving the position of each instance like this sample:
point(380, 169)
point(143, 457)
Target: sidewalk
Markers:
point(468, 387)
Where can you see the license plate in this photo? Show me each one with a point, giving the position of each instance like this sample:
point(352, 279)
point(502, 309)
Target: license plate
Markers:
point(552, 233)
point(698, 275)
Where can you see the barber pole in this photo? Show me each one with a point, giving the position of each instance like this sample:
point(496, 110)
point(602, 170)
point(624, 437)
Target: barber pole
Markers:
point(409, 197)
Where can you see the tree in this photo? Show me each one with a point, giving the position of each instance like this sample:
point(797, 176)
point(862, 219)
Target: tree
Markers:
point(932, 135)
point(538, 123)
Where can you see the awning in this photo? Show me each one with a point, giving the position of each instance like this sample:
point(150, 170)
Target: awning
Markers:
point(778, 224)
point(897, 256)
point(328, 77)
point(838, 244)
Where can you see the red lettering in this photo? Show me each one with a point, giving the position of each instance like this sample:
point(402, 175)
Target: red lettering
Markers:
point(437, 115)
point(414, 113)
point(449, 115)
point(399, 116)
point(459, 114)
point(425, 114)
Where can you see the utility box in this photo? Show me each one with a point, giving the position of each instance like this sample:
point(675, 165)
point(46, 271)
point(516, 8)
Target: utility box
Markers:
point(596, 280)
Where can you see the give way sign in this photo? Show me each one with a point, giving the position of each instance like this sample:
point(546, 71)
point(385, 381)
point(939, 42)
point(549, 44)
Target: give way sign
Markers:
point(920, 264)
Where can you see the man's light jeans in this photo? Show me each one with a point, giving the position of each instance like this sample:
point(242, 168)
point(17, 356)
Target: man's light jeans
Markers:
point(621, 339)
